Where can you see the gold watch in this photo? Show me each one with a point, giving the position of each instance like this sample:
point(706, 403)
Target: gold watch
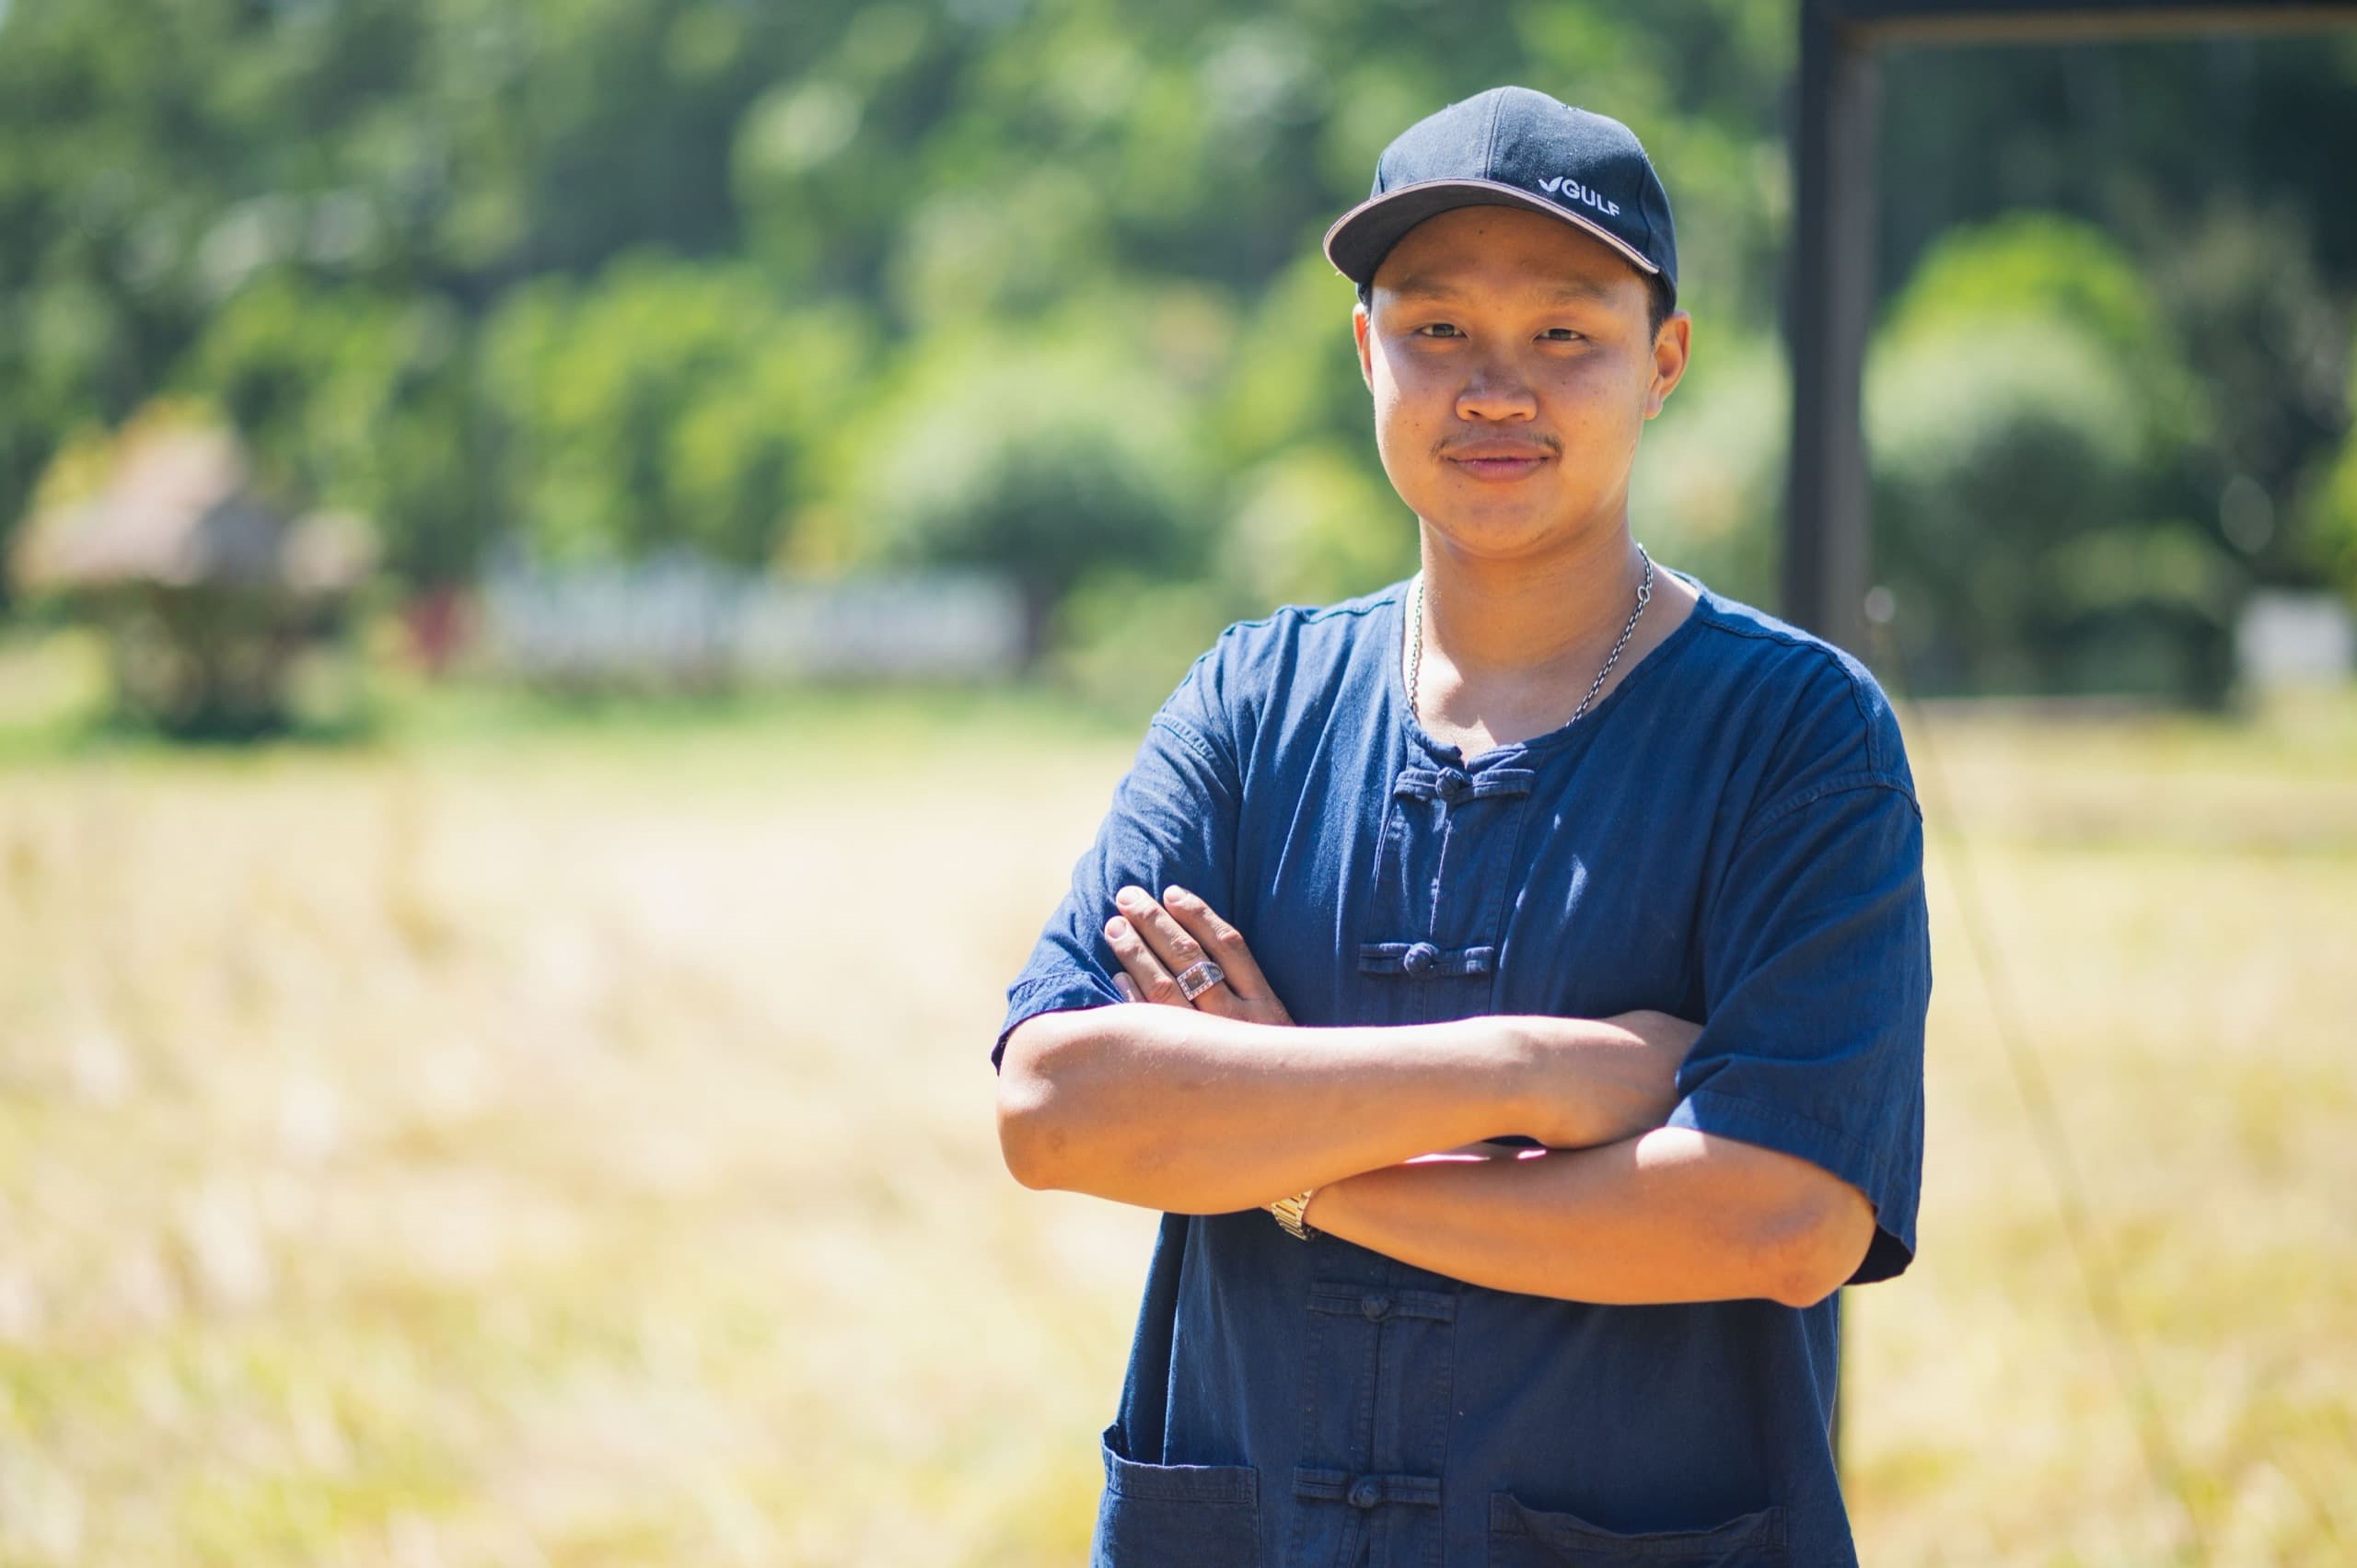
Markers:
point(1288, 1213)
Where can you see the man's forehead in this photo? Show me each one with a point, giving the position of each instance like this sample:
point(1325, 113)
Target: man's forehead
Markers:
point(1556, 288)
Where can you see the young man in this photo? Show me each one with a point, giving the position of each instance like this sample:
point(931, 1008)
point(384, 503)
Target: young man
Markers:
point(1601, 889)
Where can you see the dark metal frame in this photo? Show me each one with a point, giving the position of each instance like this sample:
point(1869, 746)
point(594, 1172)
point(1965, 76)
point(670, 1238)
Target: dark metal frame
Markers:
point(1827, 561)
point(1827, 526)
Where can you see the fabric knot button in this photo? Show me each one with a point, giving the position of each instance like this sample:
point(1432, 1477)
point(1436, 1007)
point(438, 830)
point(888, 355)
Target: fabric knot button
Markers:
point(1377, 1306)
point(1419, 959)
point(1453, 785)
point(1365, 1491)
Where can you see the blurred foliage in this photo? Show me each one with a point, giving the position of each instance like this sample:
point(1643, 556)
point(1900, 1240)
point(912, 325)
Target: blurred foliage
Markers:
point(2335, 524)
point(1047, 451)
point(1035, 283)
point(359, 398)
point(665, 403)
point(2023, 405)
point(1708, 487)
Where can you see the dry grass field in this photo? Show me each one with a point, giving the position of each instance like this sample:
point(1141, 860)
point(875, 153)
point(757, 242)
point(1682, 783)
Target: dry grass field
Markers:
point(571, 1145)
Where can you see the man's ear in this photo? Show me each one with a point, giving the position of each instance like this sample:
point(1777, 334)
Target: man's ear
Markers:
point(1359, 328)
point(1670, 346)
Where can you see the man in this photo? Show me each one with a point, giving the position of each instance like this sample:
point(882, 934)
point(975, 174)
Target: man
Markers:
point(1601, 889)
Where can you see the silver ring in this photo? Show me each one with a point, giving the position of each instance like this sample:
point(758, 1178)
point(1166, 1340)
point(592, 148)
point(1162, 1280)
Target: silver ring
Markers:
point(1198, 978)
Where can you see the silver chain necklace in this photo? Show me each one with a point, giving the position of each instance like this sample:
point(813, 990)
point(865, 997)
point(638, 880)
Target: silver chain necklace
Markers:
point(1644, 597)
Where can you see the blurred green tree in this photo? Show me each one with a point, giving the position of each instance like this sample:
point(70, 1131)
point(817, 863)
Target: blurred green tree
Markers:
point(2018, 398)
point(2334, 511)
point(666, 403)
point(363, 401)
point(1045, 453)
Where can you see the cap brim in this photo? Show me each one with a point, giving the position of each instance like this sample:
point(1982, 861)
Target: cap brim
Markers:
point(1361, 238)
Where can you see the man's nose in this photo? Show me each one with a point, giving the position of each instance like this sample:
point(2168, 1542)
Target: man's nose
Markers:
point(1495, 390)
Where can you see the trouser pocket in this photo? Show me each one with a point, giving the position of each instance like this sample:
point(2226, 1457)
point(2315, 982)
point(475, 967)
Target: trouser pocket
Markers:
point(1523, 1537)
point(1175, 1516)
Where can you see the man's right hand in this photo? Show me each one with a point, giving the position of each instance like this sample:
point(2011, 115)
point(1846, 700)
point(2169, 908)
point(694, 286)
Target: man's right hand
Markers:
point(1598, 1081)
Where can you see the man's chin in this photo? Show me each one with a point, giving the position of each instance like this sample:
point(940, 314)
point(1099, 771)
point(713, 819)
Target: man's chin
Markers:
point(1502, 533)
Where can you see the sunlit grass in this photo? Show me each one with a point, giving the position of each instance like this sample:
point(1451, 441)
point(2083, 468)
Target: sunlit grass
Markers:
point(564, 1139)
point(2172, 906)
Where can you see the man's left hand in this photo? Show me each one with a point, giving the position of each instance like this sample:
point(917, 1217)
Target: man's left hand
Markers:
point(1157, 940)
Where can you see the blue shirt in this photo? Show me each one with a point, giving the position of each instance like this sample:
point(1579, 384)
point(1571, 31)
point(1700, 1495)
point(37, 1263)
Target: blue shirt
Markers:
point(1731, 836)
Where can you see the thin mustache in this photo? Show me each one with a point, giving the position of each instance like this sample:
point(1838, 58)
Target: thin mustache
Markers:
point(1447, 446)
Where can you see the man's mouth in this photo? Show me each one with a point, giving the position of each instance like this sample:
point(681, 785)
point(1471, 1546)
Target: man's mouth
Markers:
point(1498, 460)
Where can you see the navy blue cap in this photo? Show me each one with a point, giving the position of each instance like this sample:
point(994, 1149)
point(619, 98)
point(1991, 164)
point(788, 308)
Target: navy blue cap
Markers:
point(1513, 147)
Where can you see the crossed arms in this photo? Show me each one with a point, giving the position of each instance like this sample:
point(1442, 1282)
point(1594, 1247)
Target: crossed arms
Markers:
point(1226, 1103)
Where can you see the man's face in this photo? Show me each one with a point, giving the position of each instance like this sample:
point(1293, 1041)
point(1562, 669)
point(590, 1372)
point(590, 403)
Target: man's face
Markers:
point(1512, 370)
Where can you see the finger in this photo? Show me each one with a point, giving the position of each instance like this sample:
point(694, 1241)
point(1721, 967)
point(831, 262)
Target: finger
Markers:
point(1222, 941)
point(1171, 942)
point(1126, 988)
point(1153, 980)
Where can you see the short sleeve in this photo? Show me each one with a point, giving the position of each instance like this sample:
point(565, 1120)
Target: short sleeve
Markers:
point(1172, 819)
point(1817, 977)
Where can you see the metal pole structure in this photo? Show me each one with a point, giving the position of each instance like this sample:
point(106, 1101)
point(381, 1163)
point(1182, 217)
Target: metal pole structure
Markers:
point(1832, 300)
point(1830, 297)
point(2089, 22)
point(1827, 558)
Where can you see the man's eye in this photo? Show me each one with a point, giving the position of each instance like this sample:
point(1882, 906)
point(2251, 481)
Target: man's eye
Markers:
point(1560, 335)
point(1439, 329)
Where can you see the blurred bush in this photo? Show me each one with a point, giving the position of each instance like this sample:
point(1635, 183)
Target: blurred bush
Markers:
point(2022, 399)
point(665, 403)
point(2331, 503)
point(1709, 484)
point(1045, 452)
point(360, 398)
point(1311, 525)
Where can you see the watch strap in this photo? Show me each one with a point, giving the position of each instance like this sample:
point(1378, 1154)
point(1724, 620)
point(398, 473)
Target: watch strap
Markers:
point(1289, 1213)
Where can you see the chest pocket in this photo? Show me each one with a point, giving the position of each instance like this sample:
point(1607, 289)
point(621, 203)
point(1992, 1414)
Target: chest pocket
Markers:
point(1443, 874)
